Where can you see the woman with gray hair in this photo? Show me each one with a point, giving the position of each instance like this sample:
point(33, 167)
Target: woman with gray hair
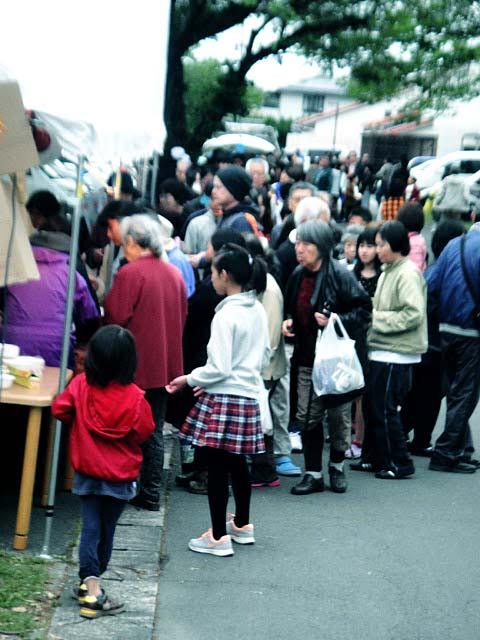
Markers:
point(313, 208)
point(141, 234)
point(148, 297)
point(319, 288)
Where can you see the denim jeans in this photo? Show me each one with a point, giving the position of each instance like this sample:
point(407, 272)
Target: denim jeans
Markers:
point(100, 515)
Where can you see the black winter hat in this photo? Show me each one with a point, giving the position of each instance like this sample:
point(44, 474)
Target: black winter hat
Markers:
point(236, 180)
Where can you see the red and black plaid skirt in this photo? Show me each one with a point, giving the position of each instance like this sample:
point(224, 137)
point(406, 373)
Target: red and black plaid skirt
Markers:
point(225, 422)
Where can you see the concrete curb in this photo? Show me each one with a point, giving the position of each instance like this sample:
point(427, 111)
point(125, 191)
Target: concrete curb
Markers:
point(133, 576)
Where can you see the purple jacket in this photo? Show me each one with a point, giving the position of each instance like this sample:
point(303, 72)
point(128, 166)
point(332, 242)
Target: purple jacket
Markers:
point(36, 309)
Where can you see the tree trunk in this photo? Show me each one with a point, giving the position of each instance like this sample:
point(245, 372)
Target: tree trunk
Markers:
point(174, 108)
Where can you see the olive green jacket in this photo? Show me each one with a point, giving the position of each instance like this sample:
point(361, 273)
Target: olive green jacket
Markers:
point(399, 319)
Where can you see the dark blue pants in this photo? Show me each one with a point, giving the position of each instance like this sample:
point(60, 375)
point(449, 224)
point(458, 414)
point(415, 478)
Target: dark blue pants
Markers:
point(100, 515)
point(388, 387)
point(462, 363)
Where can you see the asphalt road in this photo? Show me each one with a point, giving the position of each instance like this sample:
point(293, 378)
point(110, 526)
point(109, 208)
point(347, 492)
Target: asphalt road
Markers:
point(388, 560)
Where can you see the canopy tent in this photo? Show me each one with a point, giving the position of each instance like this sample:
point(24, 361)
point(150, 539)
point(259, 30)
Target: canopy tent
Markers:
point(105, 63)
point(239, 142)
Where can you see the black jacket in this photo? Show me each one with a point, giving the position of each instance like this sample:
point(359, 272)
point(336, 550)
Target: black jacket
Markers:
point(338, 288)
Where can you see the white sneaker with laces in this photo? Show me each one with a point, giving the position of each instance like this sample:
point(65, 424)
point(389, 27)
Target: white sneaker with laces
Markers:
point(240, 535)
point(206, 543)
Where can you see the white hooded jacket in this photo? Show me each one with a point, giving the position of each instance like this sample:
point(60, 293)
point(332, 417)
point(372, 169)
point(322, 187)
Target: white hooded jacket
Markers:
point(238, 349)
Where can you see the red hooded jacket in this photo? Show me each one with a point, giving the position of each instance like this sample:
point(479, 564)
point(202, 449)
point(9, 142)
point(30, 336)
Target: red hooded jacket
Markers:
point(108, 425)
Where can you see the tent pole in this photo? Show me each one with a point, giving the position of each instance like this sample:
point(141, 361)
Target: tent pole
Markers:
point(49, 509)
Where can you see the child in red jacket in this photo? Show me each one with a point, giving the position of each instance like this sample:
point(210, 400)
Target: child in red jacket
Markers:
point(110, 418)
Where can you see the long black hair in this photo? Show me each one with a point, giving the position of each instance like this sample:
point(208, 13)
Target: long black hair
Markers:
point(250, 272)
point(111, 357)
point(255, 247)
point(367, 236)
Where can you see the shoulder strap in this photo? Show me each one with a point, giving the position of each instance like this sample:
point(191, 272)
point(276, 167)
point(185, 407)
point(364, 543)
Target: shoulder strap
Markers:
point(466, 275)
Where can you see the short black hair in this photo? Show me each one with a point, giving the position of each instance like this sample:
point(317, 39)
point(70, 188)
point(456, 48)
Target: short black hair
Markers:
point(177, 189)
point(44, 203)
point(411, 215)
point(116, 210)
point(395, 233)
point(111, 357)
point(224, 236)
point(446, 231)
point(363, 212)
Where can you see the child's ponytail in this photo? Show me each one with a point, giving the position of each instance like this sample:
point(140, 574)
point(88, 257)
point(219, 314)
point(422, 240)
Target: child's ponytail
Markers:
point(258, 281)
point(250, 272)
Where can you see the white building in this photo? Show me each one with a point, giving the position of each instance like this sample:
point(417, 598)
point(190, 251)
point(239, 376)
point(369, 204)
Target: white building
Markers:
point(311, 96)
point(344, 127)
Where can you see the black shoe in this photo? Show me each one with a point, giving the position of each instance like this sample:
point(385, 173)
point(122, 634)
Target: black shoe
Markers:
point(338, 481)
point(425, 452)
point(459, 467)
point(472, 462)
point(363, 466)
point(308, 484)
point(143, 503)
point(183, 479)
point(198, 486)
point(396, 473)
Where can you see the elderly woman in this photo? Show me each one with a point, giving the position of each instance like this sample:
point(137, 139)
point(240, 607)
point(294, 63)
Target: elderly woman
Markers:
point(309, 208)
point(149, 298)
point(320, 286)
point(396, 340)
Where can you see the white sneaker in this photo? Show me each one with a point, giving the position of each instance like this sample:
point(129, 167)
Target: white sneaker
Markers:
point(206, 543)
point(240, 535)
point(296, 442)
point(354, 453)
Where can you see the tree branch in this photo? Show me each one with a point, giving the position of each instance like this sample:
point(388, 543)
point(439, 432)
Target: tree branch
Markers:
point(285, 42)
point(204, 22)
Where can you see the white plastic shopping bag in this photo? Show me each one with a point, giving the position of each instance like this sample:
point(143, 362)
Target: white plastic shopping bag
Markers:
point(265, 415)
point(336, 369)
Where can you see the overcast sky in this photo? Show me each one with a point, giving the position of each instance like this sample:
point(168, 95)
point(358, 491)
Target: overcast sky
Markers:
point(106, 63)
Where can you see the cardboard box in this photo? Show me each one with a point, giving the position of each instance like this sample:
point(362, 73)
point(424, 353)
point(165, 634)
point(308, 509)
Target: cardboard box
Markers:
point(22, 265)
point(17, 147)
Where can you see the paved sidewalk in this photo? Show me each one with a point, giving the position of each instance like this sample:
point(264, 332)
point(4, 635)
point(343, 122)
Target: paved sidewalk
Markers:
point(133, 577)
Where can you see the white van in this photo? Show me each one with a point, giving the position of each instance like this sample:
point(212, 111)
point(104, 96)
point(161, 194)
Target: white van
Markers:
point(430, 173)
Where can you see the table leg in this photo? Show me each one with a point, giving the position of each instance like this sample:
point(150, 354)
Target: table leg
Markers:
point(48, 462)
point(24, 510)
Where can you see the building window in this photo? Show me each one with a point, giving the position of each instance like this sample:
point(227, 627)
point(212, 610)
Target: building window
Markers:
point(312, 103)
point(272, 99)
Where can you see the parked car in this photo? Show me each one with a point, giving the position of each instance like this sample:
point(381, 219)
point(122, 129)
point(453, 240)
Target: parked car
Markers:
point(431, 172)
point(473, 182)
point(414, 162)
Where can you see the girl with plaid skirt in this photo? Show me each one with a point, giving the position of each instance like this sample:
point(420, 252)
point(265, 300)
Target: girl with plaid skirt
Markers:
point(226, 417)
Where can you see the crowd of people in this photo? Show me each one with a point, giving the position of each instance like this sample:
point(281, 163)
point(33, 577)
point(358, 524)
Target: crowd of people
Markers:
point(212, 304)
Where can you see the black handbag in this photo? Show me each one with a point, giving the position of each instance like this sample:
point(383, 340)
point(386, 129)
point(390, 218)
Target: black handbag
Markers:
point(471, 288)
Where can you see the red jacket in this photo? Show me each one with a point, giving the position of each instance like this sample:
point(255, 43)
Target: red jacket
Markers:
point(108, 426)
point(148, 297)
